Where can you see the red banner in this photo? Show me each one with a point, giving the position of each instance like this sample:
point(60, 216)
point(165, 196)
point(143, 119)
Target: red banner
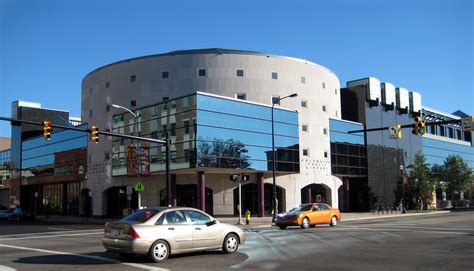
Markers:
point(132, 161)
point(145, 161)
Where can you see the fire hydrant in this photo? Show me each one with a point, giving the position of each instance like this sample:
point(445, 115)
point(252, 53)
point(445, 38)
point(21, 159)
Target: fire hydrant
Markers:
point(247, 217)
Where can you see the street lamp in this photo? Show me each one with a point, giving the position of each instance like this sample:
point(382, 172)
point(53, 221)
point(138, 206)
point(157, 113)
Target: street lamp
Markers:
point(274, 155)
point(137, 147)
point(403, 189)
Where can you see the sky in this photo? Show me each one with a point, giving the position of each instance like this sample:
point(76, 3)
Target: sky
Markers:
point(48, 46)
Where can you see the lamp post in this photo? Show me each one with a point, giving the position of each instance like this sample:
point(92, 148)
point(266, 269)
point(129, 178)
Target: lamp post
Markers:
point(403, 189)
point(137, 147)
point(274, 155)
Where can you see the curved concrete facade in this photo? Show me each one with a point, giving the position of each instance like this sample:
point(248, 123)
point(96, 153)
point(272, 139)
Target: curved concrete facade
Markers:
point(316, 85)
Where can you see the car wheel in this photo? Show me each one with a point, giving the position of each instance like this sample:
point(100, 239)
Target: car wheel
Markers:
point(231, 243)
point(333, 221)
point(159, 251)
point(282, 227)
point(305, 223)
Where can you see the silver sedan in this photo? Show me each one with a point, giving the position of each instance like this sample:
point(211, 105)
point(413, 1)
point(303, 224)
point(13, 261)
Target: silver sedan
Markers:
point(160, 232)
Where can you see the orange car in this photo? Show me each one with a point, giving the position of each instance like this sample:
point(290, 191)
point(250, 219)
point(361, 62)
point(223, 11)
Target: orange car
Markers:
point(309, 215)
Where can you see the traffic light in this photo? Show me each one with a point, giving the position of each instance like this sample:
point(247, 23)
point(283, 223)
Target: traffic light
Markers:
point(95, 135)
point(47, 130)
point(415, 126)
point(422, 128)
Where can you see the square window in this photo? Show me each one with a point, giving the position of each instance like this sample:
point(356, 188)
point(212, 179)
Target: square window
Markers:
point(241, 96)
point(184, 102)
point(324, 85)
point(173, 129)
point(186, 126)
point(107, 84)
point(165, 74)
point(325, 154)
point(202, 72)
point(325, 131)
point(304, 103)
point(133, 78)
point(303, 79)
point(107, 108)
point(133, 103)
point(240, 73)
point(274, 75)
point(324, 108)
point(275, 100)
point(305, 152)
point(304, 127)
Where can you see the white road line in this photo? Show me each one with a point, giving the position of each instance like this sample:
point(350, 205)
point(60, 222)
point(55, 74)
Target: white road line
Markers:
point(48, 232)
point(6, 268)
point(50, 236)
point(98, 258)
point(61, 229)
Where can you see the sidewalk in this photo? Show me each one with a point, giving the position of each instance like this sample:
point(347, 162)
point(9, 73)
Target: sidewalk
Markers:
point(255, 222)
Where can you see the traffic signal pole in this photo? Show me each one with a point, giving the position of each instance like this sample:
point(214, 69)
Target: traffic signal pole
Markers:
point(85, 130)
point(405, 126)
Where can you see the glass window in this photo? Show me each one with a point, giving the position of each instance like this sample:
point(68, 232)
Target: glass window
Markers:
point(198, 218)
point(325, 154)
point(173, 129)
point(240, 73)
point(90, 113)
point(140, 215)
point(176, 217)
point(276, 100)
point(304, 103)
point(303, 79)
point(160, 220)
point(107, 84)
point(324, 108)
point(458, 134)
point(202, 72)
point(322, 207)
point(442, 131)
point(90, 91)
point(107, 108)
point(165, 74)
point(450, 132)
point(133, 78)
point(325, 131)
point(324, 85)
point(274, 75)
point(186, 126)
point(184, 102)
point(304, 127)
point(173, 156)
point(241, 96)
point(305, 152)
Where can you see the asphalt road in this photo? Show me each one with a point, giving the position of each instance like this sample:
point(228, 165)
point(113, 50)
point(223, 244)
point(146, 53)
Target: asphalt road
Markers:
point(432, 242)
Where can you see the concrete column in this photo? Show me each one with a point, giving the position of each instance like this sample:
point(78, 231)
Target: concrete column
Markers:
point(202, 191)
point(174, 199)
point(260, 194)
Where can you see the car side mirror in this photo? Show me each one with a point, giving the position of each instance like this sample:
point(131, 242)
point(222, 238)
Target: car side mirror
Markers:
point(210, 223)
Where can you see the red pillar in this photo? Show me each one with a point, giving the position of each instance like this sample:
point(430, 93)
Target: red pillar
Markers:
point(260, 194)
point(202, 191)
point(174, 200)
point(345, 183)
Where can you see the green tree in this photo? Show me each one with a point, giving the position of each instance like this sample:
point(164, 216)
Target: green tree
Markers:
point(421, 181)
point(458, 174)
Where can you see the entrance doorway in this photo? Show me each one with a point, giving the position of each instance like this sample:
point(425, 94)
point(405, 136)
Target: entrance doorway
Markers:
point(186, 196)
point(250, 199)
point(316, 193)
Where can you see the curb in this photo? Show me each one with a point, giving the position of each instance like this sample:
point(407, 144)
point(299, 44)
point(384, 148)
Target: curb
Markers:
point(392, 216)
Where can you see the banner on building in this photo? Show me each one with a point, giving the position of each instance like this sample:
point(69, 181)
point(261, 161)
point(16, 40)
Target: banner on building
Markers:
point(144, 161)
point(132, 161)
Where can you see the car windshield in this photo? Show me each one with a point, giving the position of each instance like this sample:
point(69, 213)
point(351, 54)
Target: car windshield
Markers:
point(141, 215)
point(302, 207)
